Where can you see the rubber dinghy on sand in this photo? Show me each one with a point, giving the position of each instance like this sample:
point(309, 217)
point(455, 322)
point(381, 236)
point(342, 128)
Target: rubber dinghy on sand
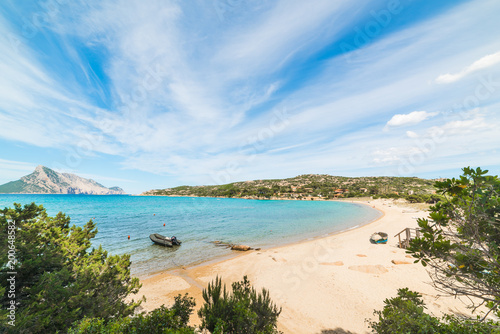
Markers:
point(164, 241)
point(379, 238)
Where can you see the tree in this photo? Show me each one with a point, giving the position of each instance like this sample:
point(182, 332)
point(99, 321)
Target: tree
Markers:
point(460, 242)
point(243, 312)
point(58, 279)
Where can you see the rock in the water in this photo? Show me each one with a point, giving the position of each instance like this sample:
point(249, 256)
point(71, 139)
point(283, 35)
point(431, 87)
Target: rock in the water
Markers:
point(240, 247)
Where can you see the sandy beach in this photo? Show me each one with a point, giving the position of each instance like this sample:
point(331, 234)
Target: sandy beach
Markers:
point(324, 285)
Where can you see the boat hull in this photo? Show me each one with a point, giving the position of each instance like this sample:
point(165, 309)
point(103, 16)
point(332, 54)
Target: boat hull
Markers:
point(379, 238)
point(164, 241)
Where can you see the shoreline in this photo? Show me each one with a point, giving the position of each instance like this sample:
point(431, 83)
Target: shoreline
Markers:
point(233, 254)
point(327, 283)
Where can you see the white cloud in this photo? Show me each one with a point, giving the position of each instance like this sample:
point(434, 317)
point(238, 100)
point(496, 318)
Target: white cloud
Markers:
point(412, 118)
point(472, 126)
point(13, 170)
point(485, 62)
point(387, 156)
point(411, 134)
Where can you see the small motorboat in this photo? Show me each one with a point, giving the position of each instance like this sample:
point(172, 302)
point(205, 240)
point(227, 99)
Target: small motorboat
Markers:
point(379, 238)
point(164, 241)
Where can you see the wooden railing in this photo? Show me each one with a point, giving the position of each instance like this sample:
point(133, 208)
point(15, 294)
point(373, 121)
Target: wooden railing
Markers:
point(410, 233)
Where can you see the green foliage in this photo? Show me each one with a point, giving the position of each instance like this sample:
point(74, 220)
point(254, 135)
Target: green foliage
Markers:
point(162, 320)
point(58, 278)
point(243, 312)
point(406, 314)
point(311, 184)
point(12, 187)
point(424, 198)
point(461, 239)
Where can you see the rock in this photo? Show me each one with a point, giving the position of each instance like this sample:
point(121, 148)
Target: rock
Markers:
point(240, 247)
point(400, 262)
point(44, 180)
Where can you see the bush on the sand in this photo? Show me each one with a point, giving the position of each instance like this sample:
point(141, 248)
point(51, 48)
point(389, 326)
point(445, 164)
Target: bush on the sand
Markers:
point(406, 314)
point(162, 320)
point(244, 311)
point(58, 279)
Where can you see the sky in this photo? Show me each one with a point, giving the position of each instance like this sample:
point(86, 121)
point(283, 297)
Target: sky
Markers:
point(158, 93)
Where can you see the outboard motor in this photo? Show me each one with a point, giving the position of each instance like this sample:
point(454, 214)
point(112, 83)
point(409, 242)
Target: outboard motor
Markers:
point(175, 241)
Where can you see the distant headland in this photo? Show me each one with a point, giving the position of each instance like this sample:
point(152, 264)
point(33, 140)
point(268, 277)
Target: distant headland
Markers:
point(47, 181)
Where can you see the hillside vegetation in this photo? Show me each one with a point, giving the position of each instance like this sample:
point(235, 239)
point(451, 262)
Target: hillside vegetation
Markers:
point(313, 187)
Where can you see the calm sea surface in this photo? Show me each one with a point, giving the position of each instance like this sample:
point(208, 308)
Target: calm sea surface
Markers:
point(196, 222)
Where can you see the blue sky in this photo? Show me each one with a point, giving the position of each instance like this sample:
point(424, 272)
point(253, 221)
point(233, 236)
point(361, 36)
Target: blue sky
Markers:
point(158, 93)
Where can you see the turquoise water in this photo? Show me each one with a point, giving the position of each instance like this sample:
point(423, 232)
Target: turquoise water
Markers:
point(196, 222)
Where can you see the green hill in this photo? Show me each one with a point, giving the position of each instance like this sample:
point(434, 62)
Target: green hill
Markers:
point(13, 187)
point(310, 187)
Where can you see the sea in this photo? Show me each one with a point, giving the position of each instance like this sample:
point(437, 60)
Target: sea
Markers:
point(197, 222)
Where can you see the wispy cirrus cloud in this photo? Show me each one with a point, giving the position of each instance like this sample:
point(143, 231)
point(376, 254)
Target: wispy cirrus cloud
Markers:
point(484, 62)
point(13, 170)
point(174, 89)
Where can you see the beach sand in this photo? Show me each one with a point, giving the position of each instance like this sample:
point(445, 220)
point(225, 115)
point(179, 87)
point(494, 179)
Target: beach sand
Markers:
point(324, 285)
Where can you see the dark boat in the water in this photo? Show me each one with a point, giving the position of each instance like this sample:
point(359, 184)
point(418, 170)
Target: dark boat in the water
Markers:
point(164, 241)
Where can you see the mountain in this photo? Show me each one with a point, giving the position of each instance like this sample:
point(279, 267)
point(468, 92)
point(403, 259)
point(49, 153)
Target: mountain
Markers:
point(47, 181)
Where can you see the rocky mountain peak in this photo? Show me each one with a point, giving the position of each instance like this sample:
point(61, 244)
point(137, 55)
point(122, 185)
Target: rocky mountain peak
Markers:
point(44, 180)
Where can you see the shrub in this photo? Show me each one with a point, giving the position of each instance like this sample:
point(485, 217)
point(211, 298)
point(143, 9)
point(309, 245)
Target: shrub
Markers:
point(244, 311)
point(160, 321)
point(405, 314)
